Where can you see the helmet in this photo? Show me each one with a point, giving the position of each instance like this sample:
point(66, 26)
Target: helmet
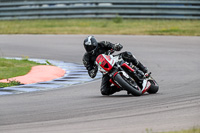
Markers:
point(90, 44)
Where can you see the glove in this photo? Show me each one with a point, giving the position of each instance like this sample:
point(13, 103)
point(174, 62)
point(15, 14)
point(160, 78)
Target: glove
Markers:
point(93, 72)
point(118, 47)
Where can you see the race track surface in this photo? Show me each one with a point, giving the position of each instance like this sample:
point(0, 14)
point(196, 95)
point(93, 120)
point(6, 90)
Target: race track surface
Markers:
point(173, 61)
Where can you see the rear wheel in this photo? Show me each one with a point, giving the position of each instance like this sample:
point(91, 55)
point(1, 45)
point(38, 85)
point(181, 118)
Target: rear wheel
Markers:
point(128, 85)
point(153, 88)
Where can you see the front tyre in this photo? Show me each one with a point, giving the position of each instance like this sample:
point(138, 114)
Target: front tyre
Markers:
point(125, 84)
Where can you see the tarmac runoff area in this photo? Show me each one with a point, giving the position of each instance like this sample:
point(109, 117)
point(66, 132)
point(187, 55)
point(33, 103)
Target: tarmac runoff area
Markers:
point(46, 77)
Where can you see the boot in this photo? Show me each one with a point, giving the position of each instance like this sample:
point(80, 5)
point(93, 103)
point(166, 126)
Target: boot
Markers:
point(141, 67)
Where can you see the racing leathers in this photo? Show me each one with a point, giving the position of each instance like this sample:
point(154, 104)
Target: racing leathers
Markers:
point(103, 48)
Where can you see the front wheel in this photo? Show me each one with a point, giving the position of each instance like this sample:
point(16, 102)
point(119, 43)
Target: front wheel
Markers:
point(127, 85)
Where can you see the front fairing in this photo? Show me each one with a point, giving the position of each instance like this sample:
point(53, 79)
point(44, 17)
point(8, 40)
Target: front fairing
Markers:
point(105, 63)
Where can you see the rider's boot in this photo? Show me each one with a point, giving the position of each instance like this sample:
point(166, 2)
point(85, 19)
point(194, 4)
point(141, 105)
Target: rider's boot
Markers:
point(142, 67)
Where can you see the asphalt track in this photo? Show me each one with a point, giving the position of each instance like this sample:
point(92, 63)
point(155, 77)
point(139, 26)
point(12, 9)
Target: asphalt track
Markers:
point(174, 62)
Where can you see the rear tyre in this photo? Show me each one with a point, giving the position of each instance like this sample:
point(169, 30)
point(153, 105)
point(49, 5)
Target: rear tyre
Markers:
point(127, 85)
point(153, 88)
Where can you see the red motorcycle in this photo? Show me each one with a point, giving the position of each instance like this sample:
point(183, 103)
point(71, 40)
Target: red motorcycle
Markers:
point(126, 76)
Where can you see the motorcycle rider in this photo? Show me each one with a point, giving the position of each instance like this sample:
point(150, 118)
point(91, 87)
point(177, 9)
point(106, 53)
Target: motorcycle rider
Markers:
point(93, 49)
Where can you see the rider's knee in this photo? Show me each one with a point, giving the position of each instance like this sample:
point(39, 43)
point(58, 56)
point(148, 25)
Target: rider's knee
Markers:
point(127, 56)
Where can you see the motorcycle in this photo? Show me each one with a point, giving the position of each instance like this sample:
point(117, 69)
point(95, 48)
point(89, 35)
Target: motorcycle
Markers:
point(126, 76)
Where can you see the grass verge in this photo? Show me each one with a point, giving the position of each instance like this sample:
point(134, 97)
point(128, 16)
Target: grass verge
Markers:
point(12, 68)
point(102, 26)
point(193, 130)
point(11, 83)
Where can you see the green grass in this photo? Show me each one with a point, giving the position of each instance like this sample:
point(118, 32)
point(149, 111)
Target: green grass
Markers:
point(12, 68)
point(193, 130)
point(102, 26)
point(11, 83)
